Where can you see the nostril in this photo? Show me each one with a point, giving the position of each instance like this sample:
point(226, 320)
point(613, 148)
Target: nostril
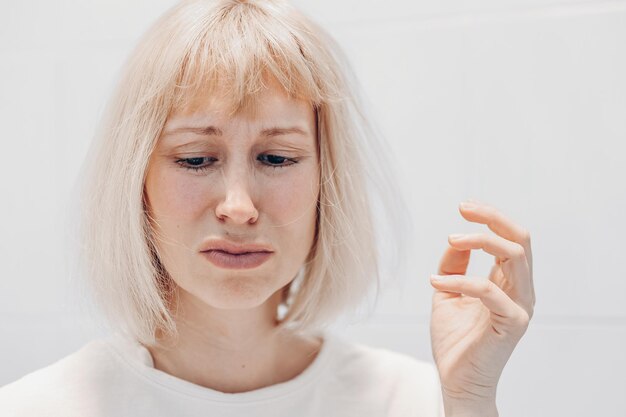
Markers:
point(237, 213)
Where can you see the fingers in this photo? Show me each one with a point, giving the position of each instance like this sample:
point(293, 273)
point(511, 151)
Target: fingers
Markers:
point(497, 222)
point(492, 296)
point(454, 261)
point(517, 269)
point(511, 242)
point(495, 245)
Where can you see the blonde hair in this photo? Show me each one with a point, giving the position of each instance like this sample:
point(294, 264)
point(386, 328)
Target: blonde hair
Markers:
point(235, 44)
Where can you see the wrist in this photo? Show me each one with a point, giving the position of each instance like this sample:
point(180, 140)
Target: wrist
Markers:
point(470, 408)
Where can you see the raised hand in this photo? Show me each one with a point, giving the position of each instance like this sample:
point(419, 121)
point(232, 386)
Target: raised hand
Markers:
point(476, 322)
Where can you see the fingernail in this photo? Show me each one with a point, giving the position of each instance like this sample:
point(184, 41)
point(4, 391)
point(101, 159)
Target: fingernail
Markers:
point(457, 236)
point(467, 205)
point(439, 277)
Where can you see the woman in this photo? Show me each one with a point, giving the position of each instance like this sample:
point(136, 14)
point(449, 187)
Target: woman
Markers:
point(226, 221)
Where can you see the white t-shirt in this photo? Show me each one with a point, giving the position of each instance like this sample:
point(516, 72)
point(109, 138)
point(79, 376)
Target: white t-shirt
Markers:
point(115, 377)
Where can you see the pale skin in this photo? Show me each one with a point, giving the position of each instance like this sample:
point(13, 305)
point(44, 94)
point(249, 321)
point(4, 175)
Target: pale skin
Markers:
point(477, 322)
point(227, 318)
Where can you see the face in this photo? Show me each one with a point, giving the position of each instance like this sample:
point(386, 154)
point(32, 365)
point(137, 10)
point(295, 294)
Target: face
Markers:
point(250, 178)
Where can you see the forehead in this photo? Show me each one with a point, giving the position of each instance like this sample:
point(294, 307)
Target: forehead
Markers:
point(272, 104)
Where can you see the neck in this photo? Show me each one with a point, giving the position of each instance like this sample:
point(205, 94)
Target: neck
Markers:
point(232, 350)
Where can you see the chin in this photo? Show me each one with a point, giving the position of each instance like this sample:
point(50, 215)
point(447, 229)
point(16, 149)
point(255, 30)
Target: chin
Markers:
point(238, 294)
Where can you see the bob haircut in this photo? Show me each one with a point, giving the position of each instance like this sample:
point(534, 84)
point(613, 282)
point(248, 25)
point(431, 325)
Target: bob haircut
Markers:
point(234, 44)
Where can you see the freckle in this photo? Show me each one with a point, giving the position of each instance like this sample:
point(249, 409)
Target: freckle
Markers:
point(243, 366)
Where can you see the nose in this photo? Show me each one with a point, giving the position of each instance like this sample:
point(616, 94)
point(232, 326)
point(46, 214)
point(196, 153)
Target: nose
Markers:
point(237, 205)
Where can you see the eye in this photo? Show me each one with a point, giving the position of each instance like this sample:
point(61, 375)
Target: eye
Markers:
point(273, 161)
point(193, 164)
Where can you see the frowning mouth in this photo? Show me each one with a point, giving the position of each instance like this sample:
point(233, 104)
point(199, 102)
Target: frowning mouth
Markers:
point(234, 248)
point(244, 260)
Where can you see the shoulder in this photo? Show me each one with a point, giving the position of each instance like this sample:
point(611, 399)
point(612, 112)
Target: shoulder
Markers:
point(59, 384)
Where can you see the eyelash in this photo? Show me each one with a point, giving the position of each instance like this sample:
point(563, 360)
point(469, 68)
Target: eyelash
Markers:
point(183, 161)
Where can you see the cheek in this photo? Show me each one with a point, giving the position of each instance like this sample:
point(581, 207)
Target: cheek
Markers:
point(290, 201)
point(176, 197)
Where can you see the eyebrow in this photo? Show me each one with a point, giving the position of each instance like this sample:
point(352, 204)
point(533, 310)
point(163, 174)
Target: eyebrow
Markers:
point(214, 131)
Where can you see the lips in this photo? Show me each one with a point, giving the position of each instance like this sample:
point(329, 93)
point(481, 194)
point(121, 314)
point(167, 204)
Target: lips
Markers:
point(232, 253)
point(236, 261)
point(234, 248)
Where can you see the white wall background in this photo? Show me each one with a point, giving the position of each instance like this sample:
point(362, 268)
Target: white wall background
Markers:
point(521, 104)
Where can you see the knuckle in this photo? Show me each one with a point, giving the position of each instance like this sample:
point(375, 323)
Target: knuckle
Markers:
point(518, 251)
point(486, 286)
point(523, 318)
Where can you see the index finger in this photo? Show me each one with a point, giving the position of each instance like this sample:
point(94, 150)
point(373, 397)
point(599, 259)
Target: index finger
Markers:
point(497, 222)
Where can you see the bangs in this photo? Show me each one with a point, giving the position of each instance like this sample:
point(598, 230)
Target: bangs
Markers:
point(233, 49)
point(239, 51)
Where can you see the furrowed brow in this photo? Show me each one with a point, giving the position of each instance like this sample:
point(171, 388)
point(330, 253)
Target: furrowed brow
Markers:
point(214, 131)
point(277, 131)
point(204, 131)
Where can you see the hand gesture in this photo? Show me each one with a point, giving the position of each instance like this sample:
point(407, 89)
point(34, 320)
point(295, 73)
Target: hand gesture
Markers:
point(477, 322)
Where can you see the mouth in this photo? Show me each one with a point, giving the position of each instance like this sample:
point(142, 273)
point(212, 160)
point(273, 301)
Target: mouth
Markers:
point(243, 260)
point(234, 253)
point(238, 253)
point(235, 248)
